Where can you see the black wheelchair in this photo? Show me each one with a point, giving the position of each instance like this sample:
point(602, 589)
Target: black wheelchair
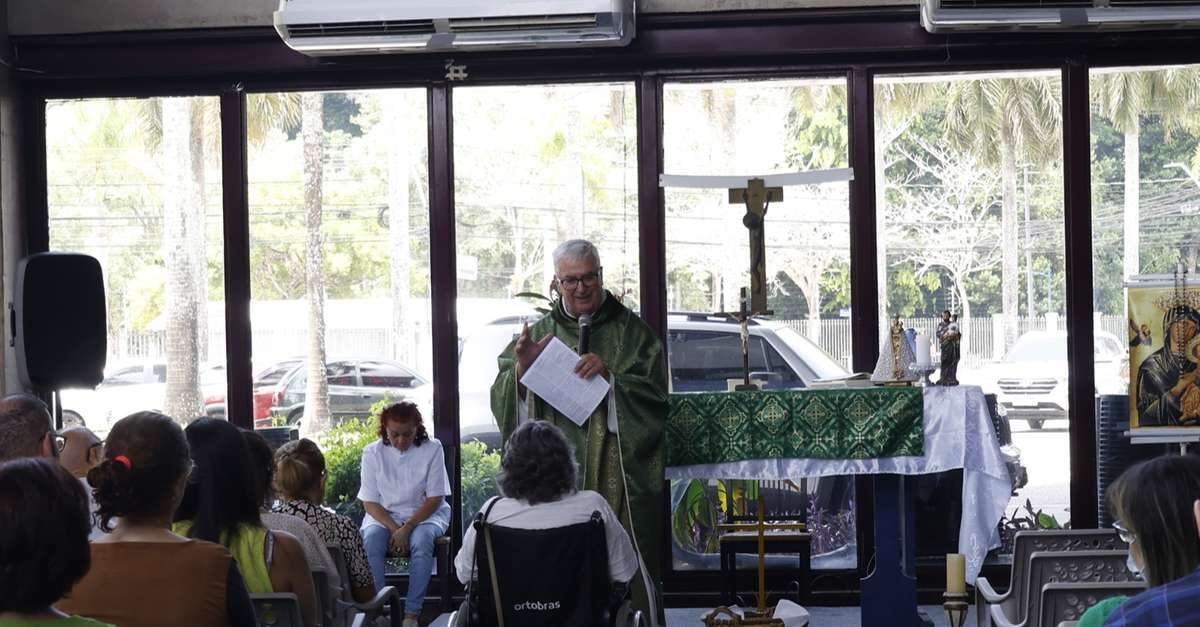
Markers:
point(544, 578)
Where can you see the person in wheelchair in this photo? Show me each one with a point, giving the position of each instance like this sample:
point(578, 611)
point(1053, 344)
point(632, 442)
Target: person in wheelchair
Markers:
point(556, 555)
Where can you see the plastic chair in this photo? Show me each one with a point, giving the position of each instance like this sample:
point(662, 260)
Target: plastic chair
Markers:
point(278, 609)
point(1024, 545)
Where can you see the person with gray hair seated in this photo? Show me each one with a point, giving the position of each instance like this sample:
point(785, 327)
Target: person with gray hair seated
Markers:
point(26, 429)
point(537, 479)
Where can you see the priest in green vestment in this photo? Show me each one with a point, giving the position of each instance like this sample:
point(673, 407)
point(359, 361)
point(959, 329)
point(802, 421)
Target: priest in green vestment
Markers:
point(620, 447)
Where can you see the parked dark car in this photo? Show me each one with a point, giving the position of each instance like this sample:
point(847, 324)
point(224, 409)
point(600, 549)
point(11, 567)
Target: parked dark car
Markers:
point(354, 385)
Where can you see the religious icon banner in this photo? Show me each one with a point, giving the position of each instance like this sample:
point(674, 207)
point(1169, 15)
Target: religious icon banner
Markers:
point(853, 423)
point(1164, 350)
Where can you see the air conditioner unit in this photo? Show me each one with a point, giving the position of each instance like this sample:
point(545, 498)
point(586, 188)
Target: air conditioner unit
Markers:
point(1017, 15)
point(343, 27)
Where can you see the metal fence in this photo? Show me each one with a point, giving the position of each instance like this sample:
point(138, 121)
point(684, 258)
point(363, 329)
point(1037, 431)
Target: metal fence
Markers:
point(984, 340)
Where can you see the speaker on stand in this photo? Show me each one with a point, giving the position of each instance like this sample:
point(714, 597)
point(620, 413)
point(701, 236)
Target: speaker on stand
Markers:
point(1114, 452)
point(59, 324)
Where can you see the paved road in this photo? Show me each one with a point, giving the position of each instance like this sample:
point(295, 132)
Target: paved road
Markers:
point(1046, 455)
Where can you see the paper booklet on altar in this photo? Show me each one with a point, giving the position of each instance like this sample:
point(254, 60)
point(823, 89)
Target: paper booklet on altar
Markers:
point(552, 377)
point(853, 380)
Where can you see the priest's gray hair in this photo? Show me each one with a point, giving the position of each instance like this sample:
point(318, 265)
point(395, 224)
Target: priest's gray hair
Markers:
point(576, 249)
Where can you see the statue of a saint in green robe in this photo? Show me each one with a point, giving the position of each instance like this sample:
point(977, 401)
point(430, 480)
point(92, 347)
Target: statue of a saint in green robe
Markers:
point(620, 447)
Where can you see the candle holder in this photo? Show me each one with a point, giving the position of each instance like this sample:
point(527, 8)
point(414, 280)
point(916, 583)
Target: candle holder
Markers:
point(956, 608)
point(923, 371)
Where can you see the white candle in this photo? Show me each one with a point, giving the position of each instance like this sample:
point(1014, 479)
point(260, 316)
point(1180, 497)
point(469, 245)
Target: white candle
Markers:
point(956, 572)
point(922, 343)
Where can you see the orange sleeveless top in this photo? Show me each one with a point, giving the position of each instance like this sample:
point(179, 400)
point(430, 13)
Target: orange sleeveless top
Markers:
point(150, 584)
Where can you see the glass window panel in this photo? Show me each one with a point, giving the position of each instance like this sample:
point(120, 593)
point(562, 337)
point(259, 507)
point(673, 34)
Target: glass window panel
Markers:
point(535, 165)
point(758, 128)
point(1145, 219)
point(136, 183)
point(969, 199)
point(339, 256)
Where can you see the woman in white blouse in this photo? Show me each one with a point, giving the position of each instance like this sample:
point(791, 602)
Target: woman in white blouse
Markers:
point(404, 489)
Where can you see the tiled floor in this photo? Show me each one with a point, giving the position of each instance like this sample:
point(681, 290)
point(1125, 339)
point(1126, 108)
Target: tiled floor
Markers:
point(818, 617)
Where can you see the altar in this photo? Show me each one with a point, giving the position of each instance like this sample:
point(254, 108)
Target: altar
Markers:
point(853, 431)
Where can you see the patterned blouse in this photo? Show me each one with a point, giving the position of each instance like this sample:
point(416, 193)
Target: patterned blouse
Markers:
point(334, 529)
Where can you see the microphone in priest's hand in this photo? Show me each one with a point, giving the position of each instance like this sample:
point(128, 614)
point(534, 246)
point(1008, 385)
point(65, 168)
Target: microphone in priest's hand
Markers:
point(585, 333)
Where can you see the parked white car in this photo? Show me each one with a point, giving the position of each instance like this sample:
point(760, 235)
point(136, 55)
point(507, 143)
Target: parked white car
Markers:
point(1031, 381)
point(127, 389)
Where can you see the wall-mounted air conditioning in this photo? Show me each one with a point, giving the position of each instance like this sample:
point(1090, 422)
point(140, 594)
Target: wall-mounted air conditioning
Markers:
point(1014, 15)
point(340, 27)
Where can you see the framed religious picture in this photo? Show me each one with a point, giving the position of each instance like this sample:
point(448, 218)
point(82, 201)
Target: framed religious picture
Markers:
point(1164, 351)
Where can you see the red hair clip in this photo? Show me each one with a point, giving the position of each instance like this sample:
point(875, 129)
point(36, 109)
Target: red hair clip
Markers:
point(124, 461)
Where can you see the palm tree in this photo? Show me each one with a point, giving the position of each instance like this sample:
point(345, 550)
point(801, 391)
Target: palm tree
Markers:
point(316, 396)
point(1001, 120)
point(1123, 97)
point(183, 399)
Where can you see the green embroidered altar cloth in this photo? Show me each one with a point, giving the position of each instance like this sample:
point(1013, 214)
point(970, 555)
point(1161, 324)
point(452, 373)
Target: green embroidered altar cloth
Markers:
point(843, 423)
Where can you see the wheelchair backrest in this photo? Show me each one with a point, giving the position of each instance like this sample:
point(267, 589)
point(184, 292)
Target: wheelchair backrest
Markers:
point(545, 577)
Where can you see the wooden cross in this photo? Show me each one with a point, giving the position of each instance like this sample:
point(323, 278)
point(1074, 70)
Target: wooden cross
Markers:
point(757, 198)
point(756, 193)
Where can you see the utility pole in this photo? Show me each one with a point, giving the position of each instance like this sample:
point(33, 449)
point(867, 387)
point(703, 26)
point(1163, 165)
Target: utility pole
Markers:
point(1029, 313)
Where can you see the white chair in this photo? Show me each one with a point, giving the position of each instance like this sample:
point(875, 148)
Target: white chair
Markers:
point(1064, 603)
point(1077, 567)
point(1024, 545)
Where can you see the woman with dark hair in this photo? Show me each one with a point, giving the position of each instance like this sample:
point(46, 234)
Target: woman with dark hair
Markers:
point(44, 526)
point(537, 479)
point(1156, 506)
point(404, 489)
point(221, 505)
point(300, 482)
point(143, 575)
point(315, 552)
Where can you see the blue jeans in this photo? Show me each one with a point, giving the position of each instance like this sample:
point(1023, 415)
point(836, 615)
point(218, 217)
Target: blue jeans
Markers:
point(420, 559)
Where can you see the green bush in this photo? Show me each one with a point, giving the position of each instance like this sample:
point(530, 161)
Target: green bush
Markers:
point(480, 465)
point(343, 446)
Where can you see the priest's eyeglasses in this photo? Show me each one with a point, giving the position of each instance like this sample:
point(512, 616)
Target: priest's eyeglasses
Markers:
point(588, 280)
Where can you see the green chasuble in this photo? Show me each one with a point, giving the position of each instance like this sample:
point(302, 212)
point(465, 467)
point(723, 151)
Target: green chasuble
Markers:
point(627, 466)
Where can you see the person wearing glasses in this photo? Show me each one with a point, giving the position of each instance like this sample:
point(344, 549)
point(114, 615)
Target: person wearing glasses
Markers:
point(620, 445)
point(26, 429)
point(1157, 507)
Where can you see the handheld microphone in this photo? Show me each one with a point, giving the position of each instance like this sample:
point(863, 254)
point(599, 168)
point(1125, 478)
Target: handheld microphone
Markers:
point(585, 333)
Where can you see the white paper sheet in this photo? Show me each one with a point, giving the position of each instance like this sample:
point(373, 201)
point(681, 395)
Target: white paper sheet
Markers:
point(552, 377)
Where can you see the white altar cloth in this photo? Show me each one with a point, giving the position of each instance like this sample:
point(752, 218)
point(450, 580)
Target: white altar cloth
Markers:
point(958, 434)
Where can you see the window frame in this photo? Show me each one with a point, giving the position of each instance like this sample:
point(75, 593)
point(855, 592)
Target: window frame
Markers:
point(792, 44)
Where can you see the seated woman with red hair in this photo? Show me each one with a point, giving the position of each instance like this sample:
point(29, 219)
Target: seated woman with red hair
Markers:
point(404, 489)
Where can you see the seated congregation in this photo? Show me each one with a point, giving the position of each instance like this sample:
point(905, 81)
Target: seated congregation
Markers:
point(205, 525)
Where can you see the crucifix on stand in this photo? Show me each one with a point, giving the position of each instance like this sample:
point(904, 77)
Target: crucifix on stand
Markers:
point(756, 193)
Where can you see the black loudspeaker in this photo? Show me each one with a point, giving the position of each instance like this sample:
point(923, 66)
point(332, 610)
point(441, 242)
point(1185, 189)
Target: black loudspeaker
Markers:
point(1114, 452)
point(59, 322)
